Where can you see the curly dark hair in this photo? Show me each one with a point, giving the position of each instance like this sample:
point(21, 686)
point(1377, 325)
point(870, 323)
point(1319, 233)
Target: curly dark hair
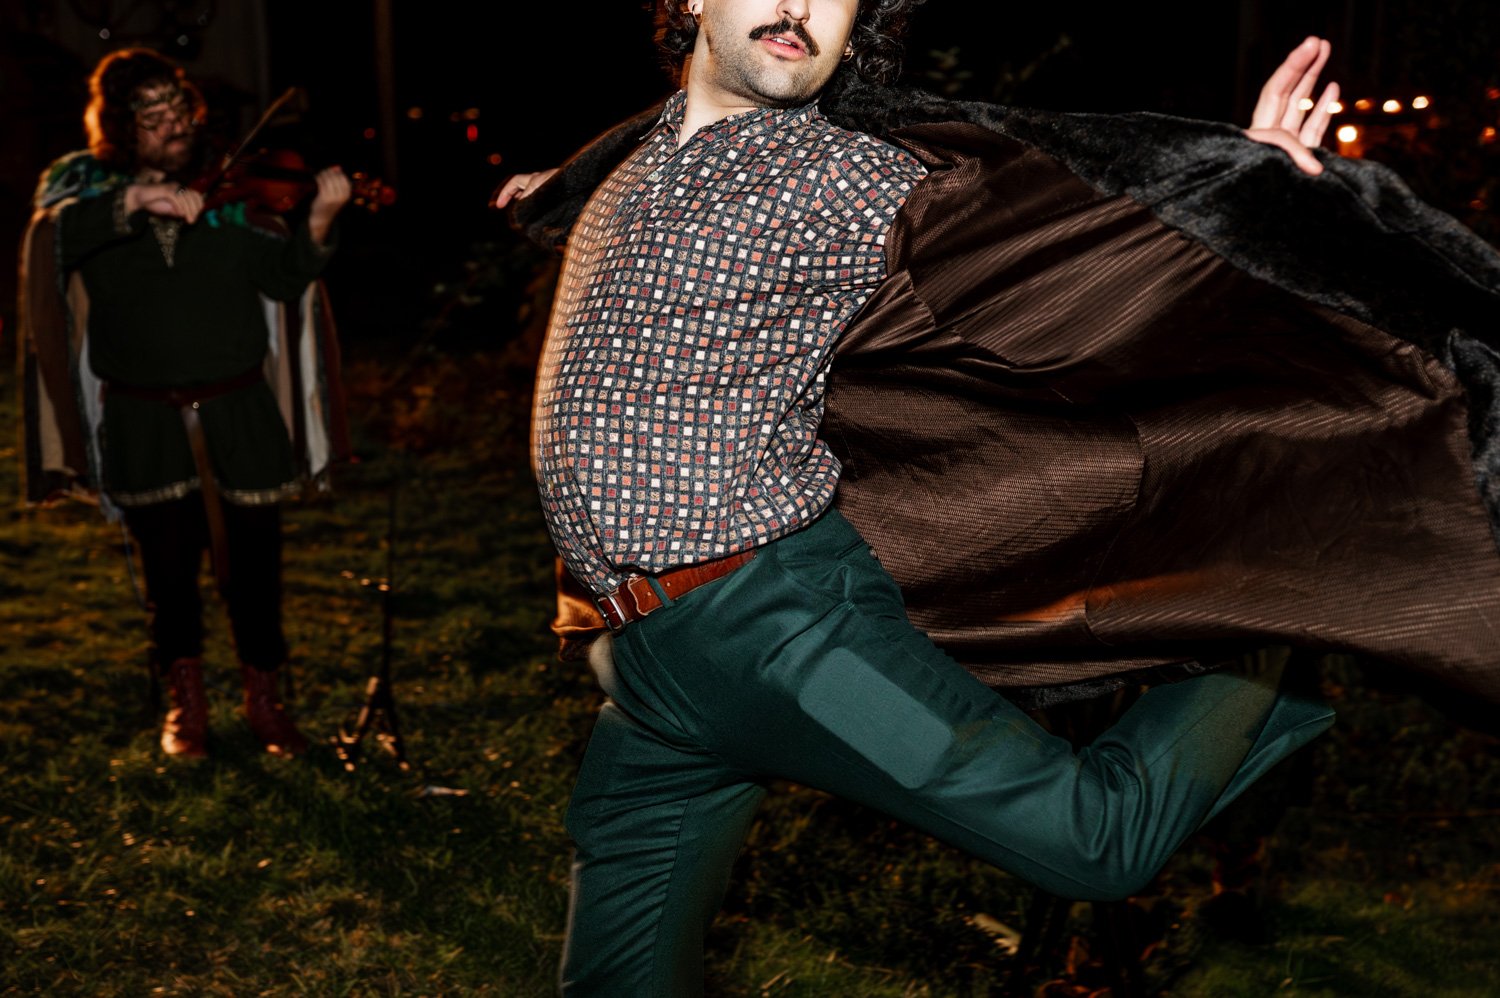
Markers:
point(877, 40)
point(113, 87)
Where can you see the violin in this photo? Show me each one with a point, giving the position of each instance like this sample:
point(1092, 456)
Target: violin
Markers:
point(277, 180)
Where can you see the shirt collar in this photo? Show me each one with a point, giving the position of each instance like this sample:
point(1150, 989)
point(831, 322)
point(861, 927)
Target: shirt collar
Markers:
point(741, 125)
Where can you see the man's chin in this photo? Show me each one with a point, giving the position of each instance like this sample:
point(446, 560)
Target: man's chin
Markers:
point(787, 91)
point(172, 165)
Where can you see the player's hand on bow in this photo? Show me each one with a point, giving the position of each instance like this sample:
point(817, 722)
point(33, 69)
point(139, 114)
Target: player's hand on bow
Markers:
point(522, 185)
point(1279, 117)
point(167, 200)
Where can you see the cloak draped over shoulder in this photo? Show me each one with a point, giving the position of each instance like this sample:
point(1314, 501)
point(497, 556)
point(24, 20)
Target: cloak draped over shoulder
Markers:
point(1139, 392)
point(62, 445)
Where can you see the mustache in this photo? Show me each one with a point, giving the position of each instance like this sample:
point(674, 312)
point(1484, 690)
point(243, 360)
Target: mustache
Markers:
point(783, 27)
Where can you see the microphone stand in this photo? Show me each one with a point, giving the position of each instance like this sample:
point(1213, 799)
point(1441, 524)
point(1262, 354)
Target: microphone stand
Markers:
point(378, 715)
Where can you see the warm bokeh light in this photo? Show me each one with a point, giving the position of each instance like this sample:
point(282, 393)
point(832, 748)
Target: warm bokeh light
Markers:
point(472, 133)
point(1306, 104)
point(1488, 135)
point(414, 113)
point(369, 133)
point(1348, 133)
point(1420, 102)
point(1391, 107)
point(1363, 104)
point(1336, 107)
point(472, 114)
point(495, 159)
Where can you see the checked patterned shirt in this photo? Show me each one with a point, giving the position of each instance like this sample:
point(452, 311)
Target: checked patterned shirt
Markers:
point(681, 388)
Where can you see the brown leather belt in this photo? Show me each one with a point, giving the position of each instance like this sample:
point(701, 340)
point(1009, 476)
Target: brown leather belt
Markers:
point(185, 400)
point(635, 598)
point(188, 394)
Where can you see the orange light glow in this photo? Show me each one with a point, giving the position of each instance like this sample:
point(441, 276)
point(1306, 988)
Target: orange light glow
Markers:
point(1391, 107)
point(1336, 107)
point(1363, 104)
point(496, 159)
point(1420, 103)
point(472, 133)
point(369, 133)
point(1348, 133)
point(414, 113)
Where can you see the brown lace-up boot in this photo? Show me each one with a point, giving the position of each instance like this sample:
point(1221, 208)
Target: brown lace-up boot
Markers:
point(268, 715)
point(185, 731)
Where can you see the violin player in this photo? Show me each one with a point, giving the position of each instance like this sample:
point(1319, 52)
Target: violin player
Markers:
point(179, 364)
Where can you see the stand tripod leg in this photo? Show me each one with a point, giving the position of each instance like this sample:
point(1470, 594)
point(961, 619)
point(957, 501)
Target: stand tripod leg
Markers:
point(378, 715)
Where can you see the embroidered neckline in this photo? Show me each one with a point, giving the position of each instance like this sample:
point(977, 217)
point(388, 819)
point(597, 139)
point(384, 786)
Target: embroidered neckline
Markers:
point(166, 231)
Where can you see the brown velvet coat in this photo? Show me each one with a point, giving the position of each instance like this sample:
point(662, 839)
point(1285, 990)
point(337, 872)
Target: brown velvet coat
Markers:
point(1137, 392)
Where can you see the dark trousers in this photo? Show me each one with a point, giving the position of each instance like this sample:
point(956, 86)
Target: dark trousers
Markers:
point(172, 536)
point(802, 665)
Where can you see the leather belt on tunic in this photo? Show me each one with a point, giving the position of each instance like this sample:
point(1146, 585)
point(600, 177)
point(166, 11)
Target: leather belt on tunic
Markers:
point(185, 399)
point(635, 597)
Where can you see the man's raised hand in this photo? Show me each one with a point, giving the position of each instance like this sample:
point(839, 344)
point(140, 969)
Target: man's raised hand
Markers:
point(334, 191)
point(1279, 118)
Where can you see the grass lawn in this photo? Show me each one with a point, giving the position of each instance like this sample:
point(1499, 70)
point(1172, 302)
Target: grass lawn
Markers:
point(122, 873)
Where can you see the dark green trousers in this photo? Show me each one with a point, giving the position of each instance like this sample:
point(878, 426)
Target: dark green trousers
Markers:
point(802, 665)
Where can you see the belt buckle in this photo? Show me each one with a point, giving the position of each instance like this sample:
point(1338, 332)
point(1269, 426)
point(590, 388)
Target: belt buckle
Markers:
point(611, 610)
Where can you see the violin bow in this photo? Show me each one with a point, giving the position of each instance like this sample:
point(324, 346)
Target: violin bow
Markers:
point(234, 154)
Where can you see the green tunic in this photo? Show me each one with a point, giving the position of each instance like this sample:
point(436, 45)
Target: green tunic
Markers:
point(195, 320)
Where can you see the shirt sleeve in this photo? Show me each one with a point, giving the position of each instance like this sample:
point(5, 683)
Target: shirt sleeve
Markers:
point(87, 225)
point(862, 191)
point(284, 268)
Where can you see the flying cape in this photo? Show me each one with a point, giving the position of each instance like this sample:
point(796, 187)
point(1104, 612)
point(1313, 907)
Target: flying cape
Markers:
point(1137, 392)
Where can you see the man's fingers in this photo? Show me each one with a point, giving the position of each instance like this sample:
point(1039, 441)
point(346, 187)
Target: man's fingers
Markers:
point(333, 184)
point(1292, 115)
point(1275, 96)
point(510, 190)
point(1316, 124)
point(1268, 109)
point(179, 202)
point(520, 186)
point(190, 204)
point(1286, 141)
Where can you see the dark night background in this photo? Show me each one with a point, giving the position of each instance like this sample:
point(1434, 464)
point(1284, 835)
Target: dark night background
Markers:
point(536, 81)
